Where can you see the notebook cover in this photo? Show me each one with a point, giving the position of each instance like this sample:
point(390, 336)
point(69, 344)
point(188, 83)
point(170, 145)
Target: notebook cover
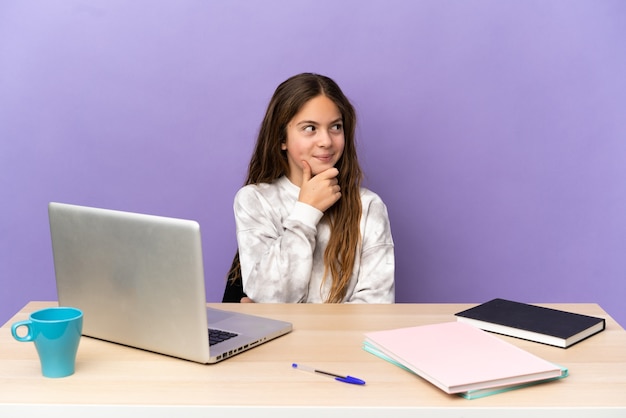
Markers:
point(472, 394)
point(457, 357)
point(536, 319)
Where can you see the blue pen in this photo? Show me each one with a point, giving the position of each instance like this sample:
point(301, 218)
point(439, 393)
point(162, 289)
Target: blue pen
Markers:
point(345, 379)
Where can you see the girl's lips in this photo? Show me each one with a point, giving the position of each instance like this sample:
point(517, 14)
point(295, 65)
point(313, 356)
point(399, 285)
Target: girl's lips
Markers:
point(324, 158)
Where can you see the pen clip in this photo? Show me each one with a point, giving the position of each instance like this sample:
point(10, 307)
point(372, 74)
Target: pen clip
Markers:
point(350, 379)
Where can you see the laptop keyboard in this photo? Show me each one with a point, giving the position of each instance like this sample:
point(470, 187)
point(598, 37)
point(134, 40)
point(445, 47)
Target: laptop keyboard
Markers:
point(217, 336)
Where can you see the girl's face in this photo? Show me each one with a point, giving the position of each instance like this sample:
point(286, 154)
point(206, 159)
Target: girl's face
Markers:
point(315, 135)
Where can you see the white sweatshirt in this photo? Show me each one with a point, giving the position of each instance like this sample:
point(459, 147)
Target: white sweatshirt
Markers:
point(282, 241)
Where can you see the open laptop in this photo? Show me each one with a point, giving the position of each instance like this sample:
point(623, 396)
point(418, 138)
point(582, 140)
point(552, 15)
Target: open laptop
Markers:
point(139, 281)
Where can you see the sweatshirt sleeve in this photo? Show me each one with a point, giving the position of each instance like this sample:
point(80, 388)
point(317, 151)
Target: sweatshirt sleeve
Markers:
point(376, 276)
point(275, 253)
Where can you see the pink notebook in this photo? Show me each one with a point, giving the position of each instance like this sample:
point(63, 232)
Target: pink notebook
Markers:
point(457, 357)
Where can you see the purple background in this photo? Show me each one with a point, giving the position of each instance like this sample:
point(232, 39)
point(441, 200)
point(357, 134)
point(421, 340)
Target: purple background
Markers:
point(495, 131)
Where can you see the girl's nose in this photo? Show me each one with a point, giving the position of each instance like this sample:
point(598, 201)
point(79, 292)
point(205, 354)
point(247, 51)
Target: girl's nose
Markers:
point(324, 139)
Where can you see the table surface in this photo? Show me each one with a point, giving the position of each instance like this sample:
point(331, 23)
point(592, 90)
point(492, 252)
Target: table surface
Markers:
point(325, 336)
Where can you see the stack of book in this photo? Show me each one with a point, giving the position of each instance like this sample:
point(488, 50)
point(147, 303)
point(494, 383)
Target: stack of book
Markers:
point(463, 358)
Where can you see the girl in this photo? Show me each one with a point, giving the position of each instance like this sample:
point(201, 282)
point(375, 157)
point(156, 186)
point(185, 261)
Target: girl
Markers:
point(306, 230)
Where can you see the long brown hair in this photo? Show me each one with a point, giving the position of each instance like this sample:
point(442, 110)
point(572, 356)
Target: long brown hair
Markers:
point(269, 162)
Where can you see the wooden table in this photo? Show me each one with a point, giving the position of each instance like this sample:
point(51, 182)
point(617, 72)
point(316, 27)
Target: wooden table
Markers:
point(114, 380)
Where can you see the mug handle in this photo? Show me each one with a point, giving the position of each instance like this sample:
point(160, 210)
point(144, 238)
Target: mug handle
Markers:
point(28, 337)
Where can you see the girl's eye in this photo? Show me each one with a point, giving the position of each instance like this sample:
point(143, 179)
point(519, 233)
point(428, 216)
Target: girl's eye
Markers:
point(338, 127)
point(309, 128)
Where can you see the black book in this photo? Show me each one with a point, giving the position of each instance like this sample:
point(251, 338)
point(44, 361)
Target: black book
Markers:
point(532, 322)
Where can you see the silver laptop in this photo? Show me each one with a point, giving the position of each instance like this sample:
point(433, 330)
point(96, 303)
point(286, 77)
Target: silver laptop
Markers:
point(139, 280)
